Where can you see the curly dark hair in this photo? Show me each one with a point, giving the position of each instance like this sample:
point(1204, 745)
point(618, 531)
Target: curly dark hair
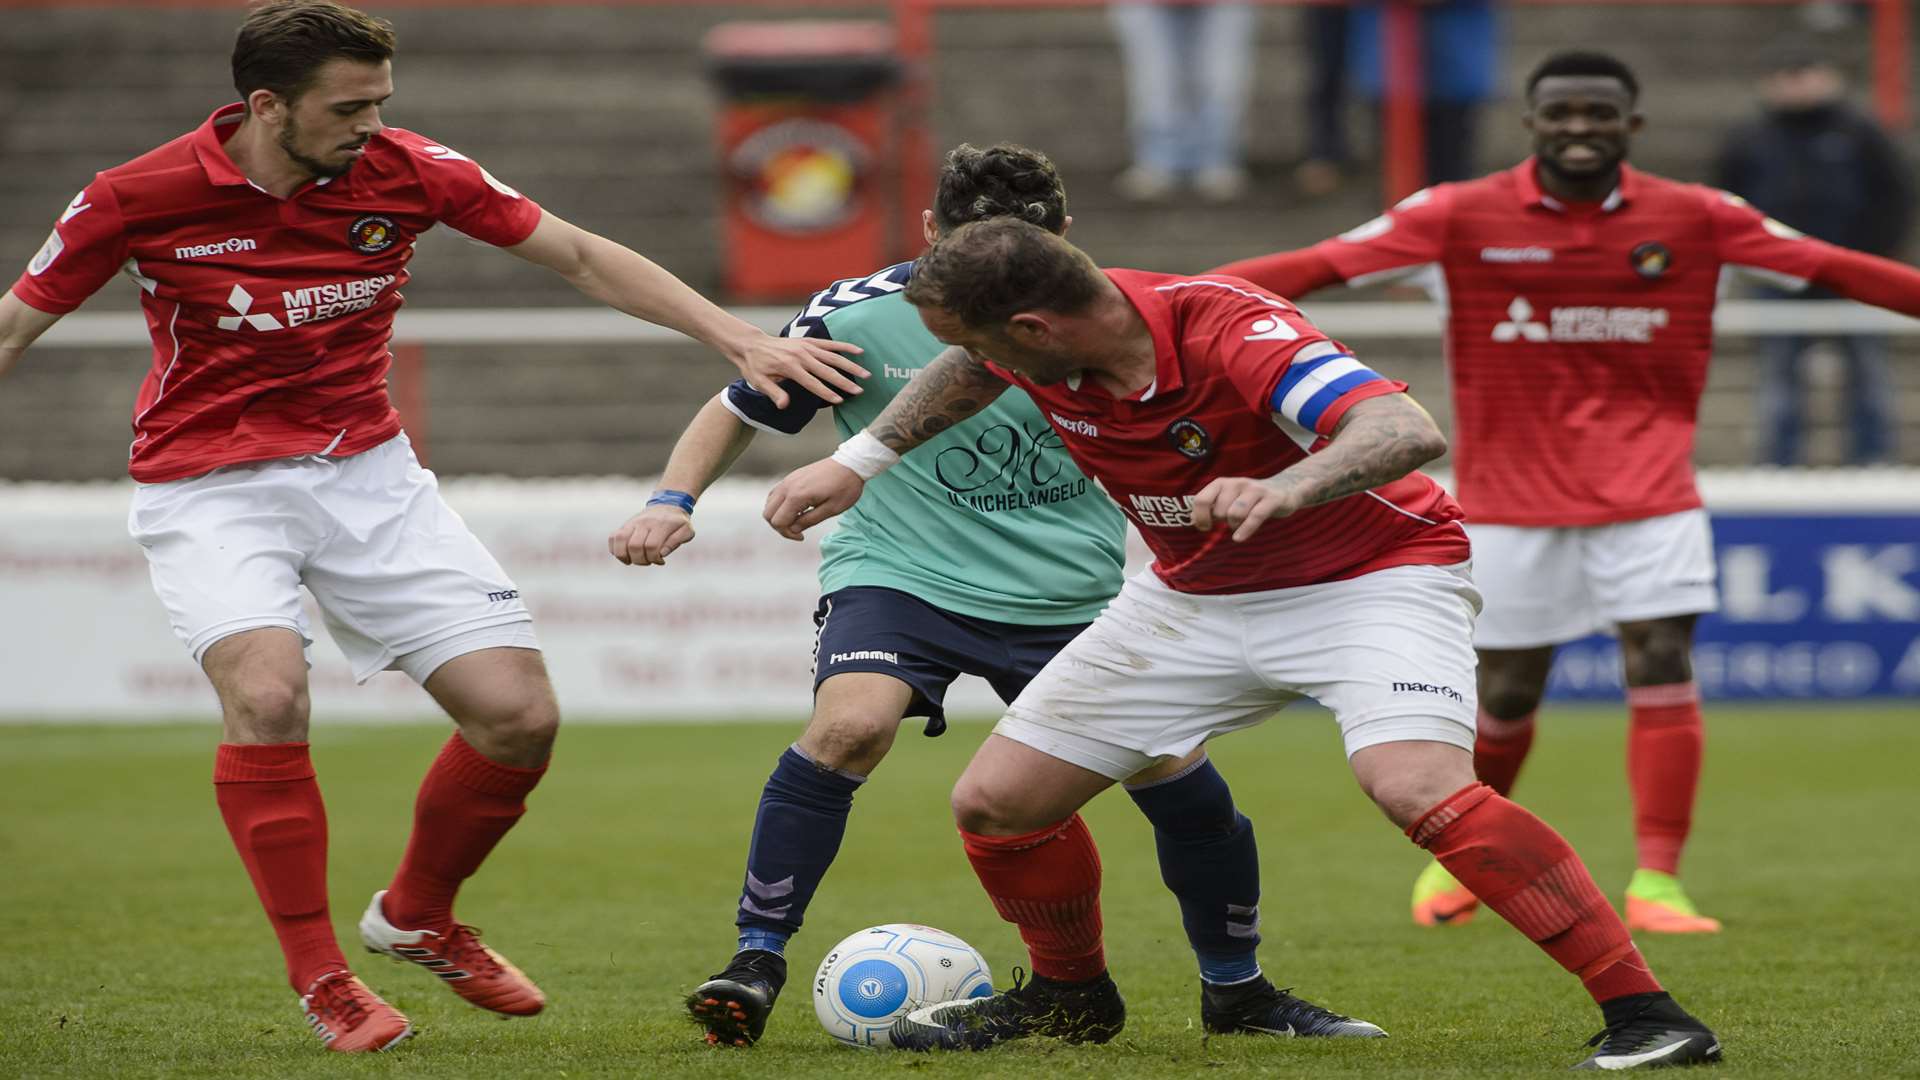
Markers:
point(1004, 180)
point(986, 272)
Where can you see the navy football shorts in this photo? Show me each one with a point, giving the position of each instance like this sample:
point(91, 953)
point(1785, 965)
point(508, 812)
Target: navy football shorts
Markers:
point(869, 628)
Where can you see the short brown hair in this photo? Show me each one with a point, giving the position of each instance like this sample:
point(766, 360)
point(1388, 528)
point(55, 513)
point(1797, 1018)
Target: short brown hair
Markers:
point(284, 43)
point(986, 272)
point(1004, 179)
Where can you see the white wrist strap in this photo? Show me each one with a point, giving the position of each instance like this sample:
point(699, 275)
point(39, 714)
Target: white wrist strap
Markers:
point(867, 456)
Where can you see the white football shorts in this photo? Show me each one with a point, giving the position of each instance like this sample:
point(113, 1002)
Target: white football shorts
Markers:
point(398, 577)
point(1550, 586)
point(1160, 672)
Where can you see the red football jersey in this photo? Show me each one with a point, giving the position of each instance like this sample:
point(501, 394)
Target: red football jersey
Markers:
point(270, 317)
point(1577, 336)
point(1245, 386)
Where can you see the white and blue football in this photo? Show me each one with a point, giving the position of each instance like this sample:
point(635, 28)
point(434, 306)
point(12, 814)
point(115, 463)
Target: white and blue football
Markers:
point(874, 976)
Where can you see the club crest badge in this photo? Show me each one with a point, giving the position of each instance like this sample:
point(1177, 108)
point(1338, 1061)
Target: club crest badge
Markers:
point(1651, 260)
point(372, 234)
point(1190, 438)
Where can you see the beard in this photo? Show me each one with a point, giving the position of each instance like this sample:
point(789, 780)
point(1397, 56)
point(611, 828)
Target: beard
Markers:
point(1605, 166)
point(289, 140)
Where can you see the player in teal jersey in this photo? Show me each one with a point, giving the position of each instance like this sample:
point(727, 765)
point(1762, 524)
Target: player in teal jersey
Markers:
point(985, 557)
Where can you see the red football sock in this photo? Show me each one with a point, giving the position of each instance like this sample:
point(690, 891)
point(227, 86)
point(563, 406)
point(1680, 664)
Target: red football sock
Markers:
point(1664, 740)
point(272, 808)
point(1500, 748)
point(1048, 884)
point(466, 804)
point(1518, 866)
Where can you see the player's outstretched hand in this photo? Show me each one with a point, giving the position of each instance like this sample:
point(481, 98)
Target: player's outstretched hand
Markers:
point(810, 495)
point(651, 535)
point(1241, 503)
point(814, 364)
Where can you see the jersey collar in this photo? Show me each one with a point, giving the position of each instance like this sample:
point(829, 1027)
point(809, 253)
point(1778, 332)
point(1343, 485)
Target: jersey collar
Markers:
point(210, 147)
point(1527, 183)
point(1138, 287)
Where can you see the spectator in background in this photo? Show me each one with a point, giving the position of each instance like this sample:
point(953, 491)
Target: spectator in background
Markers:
point(1460, 57)
point(1815, 162)
point(1189, 68)
point(1324, 33)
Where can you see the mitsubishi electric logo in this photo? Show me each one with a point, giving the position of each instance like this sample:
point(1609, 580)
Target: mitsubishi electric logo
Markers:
point(1580, 323)
point(1520, 323)
point(310, 304)
point(241, 301)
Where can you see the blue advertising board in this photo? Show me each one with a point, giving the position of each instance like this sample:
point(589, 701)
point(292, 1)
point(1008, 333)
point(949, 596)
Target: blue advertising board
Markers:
point(1812, 605)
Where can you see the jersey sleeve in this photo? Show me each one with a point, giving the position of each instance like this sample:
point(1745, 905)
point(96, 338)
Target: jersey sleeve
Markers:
point(757, 409)
point(1282, 364)
point(86, 248)
point(467, 196)
point(1399, 243)
point(1759, 246)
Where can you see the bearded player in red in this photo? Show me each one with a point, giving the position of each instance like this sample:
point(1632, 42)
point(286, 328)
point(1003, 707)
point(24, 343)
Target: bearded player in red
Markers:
point(1297, 553)
point(269, 246)
point(1580, 298)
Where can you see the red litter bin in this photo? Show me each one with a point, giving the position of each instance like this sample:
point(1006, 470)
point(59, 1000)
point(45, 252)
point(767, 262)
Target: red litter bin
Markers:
point(806, 135)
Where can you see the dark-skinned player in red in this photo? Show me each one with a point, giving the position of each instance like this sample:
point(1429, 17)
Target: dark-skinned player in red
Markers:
point(1580, 296)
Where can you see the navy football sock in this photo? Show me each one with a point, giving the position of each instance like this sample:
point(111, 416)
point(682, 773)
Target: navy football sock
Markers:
point(1209, 861)
point(796, 833)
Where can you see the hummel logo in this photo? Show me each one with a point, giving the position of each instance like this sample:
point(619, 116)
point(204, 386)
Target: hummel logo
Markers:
point(863, 654)
point(1520, 323)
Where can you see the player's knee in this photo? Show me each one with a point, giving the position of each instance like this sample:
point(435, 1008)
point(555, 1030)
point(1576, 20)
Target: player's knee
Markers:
point(529, 730)
point(1506, 698)
point(978, 807)
point(1405, 796)
point(265, 710)
point(851, 743)
point(1659, 660)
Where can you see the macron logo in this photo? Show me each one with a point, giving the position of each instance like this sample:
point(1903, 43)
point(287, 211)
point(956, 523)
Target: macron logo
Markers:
point(1516, 254)
point(218, 247)
point(1271, 328)
point(1447, 692)
point(1078, 427)
point(78, 206)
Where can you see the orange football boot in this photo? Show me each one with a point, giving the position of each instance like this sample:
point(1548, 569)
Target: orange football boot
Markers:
point(1658, 905)
point(1439, 900)
point(459, 957)
point(350, 1018)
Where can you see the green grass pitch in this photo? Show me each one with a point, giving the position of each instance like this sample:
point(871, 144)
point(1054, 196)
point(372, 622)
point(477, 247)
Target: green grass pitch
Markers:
point(130, 943)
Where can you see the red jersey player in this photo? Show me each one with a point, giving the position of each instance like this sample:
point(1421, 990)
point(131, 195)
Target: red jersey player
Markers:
point(269, 246)
point(1580, 298)
point(1296, 554)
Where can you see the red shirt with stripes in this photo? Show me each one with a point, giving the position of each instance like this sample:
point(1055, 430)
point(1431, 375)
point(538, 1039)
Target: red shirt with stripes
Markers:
point(1223, 348)
point(1578, 337)
point(270, 317)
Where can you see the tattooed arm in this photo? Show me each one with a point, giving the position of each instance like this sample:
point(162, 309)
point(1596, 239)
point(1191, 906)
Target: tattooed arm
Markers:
point(1378, 441)
point(947, 391)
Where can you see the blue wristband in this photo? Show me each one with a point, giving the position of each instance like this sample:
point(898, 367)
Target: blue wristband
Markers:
point(670, 497)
